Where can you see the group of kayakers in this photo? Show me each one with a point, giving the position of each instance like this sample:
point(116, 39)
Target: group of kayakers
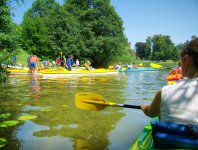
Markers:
point(177, 103)
point(119, 66)
point(33, 63)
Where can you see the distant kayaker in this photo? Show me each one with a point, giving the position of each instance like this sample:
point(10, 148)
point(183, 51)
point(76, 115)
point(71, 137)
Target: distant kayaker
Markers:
point(33, 64)
point(77, 63)
point(88, 65)
point(119, 66)
point(178, 102)
point(58, 61)
point(176, 70)
point(70, 62)
point(63, 61)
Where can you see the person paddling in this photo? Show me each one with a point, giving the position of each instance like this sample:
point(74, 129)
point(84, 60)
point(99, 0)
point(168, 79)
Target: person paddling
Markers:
point(176, 103)
point(176, 106)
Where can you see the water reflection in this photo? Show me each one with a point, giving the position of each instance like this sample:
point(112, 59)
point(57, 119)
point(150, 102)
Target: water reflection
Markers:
point(60, 125)
point(34, 84)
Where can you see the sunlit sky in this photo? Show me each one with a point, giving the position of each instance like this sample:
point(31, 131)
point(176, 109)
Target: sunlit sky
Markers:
point(143, 18)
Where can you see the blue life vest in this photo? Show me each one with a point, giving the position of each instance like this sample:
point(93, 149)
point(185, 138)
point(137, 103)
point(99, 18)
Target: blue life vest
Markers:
point(174, 135)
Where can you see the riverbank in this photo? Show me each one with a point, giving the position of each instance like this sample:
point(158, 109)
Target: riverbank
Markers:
point(23, 56)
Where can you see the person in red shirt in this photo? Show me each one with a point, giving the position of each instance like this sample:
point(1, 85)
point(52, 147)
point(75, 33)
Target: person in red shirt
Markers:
point(58, 61)
point(33, 63)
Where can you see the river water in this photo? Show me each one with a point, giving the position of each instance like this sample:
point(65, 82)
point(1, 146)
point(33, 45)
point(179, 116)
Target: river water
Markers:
point(61, 126)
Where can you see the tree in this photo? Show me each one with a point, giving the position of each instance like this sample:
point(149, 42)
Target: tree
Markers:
point(148, 49)
point(101, 29)
point(140, 50)
point(34, 29)
point(9, 37)
point(66, 36)
point(163, 48)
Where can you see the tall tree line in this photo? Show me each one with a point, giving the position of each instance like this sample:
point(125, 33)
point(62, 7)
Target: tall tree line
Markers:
point(9, 37)
point(159, 47)
point(89, 30)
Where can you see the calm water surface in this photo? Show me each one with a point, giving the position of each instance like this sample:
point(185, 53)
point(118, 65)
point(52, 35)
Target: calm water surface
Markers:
point(61, 126)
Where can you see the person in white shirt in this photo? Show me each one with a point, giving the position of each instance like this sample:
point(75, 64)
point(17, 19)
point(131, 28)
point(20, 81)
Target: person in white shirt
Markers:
point(178, 103)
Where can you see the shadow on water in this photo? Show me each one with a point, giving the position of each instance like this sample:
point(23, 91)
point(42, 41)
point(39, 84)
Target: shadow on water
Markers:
point(60, 125)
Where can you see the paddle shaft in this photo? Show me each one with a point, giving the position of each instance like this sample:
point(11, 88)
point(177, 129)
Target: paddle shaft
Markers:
point(128, 106)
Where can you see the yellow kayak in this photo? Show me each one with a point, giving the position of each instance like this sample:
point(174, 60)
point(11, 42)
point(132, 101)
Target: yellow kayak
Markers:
point(64, 72)
point(155, 65)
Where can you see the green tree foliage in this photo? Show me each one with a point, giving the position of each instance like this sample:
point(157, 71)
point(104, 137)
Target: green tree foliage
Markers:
point(34, 29)
point(89, 30)
point(140, 49)
point(34, 33)
point(63, 33)
point(101, 30)
point(9, 37)
point(163, 48)
point(158, 47)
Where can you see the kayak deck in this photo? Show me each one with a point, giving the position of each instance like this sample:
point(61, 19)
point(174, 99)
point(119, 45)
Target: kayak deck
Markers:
point(138, 69)
point(144, 140)
point(64, 72)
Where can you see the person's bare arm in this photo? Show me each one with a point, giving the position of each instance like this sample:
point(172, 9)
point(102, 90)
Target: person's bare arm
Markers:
point(153, 109)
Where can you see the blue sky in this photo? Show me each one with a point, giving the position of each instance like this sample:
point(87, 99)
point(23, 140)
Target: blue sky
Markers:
point(143, 18)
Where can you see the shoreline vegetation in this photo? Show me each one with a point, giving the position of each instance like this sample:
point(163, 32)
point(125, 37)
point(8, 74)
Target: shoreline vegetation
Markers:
point(23, 56)
point(96, 35)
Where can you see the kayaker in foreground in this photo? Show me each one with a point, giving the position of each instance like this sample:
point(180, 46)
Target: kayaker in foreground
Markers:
point(178, 103)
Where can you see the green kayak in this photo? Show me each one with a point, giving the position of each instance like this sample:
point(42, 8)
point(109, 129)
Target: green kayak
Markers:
point(144, 140)
point(167, 135)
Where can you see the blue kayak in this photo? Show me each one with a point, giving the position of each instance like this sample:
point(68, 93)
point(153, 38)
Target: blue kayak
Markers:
point(138, 69)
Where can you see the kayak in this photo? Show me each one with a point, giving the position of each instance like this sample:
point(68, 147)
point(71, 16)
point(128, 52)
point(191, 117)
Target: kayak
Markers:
point(138, 69)
point(63, 72)
point(156, 65)
point(144, 141)
point(21, 71)
point(166, 135)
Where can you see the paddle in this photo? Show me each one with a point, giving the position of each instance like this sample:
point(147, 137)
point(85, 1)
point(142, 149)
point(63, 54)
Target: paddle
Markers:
point(157, 66)
point(92, 101)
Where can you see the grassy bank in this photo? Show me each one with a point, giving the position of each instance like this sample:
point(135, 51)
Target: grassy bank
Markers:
point(22, 58)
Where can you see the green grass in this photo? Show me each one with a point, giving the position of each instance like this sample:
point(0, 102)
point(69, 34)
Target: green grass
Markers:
point(22, 58)
point(146, 63)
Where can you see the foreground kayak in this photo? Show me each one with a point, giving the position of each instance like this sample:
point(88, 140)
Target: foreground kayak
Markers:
point(138, 69)
point(63, 72)
point(144, 140)
point(167, 135)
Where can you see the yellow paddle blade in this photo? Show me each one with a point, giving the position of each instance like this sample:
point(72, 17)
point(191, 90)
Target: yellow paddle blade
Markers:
point(155, 65)
point(91, 101)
